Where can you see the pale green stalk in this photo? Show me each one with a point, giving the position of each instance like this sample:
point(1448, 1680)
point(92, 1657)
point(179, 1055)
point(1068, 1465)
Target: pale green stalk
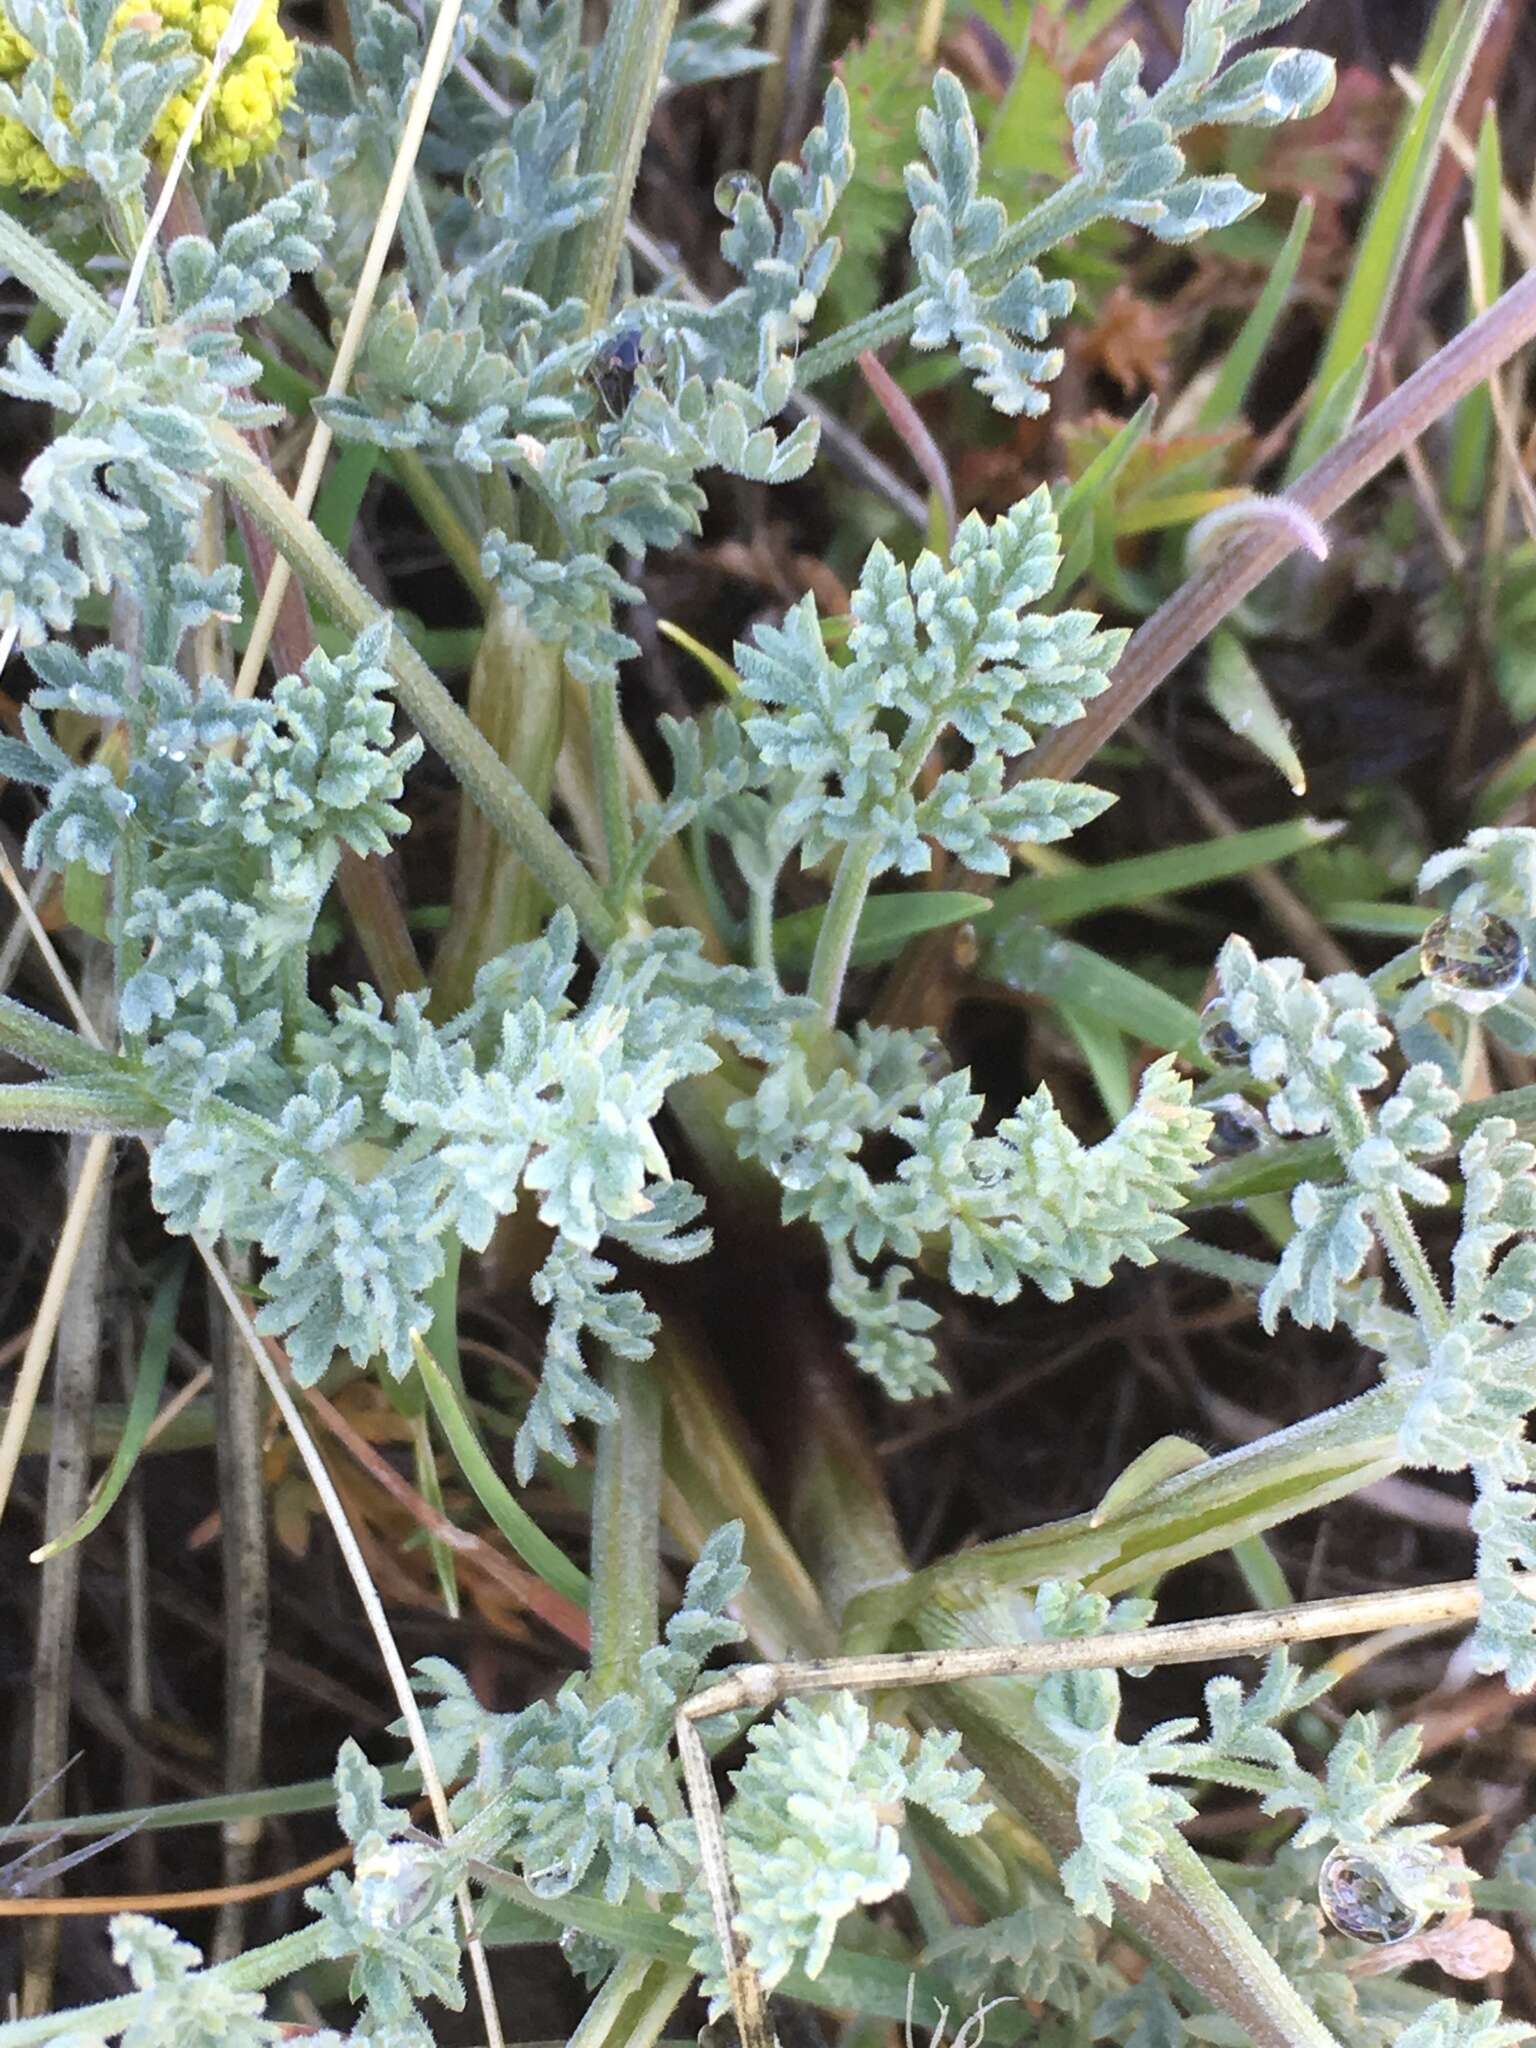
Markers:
point(1278, 2013)
point(626, 1514)
point(625, 76)
point(840, 924)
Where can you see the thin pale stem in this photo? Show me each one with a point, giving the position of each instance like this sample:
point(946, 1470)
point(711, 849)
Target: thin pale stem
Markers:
point(1067, 212)
point(756, 1686)
point(402, 172)
point(1390, 1214)
point(745, 1986)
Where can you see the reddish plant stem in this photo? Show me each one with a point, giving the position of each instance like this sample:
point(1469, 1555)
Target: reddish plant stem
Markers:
point(1178, 627)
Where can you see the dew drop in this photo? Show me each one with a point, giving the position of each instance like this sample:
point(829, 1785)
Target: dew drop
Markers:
point(1236, 1127)
point(1355, 1891)
point(1219, 1041)
point(551, 1881)
point(732, 189)
point(1474, 960)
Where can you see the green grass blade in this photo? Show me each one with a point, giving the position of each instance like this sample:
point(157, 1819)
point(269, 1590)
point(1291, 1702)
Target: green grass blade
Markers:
point(1075, 505)
point(1279, 1168)
point(1028, 957)
point(341, 499)
point(1389, 227)
point(713, 664)
point(154, 1357)
point(537, 1551)
point(1061, 899)
point(1466, 470)
point(885, 926)
point(1102, 1045)
point(1240, 697)
point(1229, 394)
point(1380, 920)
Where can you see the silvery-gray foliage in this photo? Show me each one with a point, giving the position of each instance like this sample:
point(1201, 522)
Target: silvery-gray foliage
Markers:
point(578, 1790)
point(1460, 1361)
point(352, 1147)
point(808, 1835)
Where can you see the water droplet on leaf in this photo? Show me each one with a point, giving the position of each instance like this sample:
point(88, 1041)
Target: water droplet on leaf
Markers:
point(1474, 960)
point(1356, 1892)
point(1236, 1127)
point(551, 1881)
point(732, 189)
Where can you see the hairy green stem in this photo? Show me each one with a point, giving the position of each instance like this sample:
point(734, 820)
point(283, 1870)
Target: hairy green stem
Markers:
point(626, 1513)
point(78, 1106)
point(516, 699)
point(625, 75)
point(598, 2022)
point(608, 774)
point(42, 1043)
point(1190, 1515)
point(1278, 2013)
point(840, 925)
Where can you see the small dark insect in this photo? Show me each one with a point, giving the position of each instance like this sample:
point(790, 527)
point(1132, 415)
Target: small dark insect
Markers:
point(1218, 1041)
point(614, 367)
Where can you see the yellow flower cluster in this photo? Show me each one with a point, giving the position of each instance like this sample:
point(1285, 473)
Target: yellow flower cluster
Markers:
point(244, 116)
